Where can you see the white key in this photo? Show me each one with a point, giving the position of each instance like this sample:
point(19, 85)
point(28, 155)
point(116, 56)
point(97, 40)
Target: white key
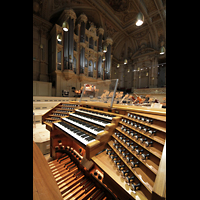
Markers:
point(68, 131)
point(89, 119)
point(82, 126)
point(98, 115)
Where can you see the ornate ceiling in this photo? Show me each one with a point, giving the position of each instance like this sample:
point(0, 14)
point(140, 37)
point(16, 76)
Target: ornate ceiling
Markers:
point(117, 18)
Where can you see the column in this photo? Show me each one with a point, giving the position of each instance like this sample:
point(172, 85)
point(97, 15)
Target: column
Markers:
point(152, 73)
point(156, 72)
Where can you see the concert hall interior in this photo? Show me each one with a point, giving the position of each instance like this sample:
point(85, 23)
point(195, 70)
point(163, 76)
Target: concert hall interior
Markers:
point(99, 99)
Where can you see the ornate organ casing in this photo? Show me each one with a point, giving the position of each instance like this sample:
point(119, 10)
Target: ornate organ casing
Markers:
point(78, 55)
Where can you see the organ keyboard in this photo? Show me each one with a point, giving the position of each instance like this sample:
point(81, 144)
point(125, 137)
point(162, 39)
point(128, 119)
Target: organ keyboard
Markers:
point(133, 165)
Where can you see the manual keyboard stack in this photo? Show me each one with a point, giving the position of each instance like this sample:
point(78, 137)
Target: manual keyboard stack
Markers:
point(60, 110)
point(90, 130)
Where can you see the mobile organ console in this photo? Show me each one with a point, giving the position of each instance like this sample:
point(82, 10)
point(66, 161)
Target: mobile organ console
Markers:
point(107, 153)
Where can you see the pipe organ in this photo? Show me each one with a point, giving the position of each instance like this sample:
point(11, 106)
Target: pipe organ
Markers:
point(107, 153)
point(77, 53)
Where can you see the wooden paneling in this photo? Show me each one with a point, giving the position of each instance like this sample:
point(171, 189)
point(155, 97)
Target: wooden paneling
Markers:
point(44, 184)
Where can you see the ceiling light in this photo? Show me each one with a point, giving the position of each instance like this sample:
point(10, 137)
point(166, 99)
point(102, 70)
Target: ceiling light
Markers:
point(140, 19)
point(125, 61)
point(162, 50)
point(65, 26)
point(103, 58)
point(59, 37)
point(118, 65)
point(104, 49)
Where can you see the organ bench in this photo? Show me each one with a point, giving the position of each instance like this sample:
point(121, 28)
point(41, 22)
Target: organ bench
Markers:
point(118, 152)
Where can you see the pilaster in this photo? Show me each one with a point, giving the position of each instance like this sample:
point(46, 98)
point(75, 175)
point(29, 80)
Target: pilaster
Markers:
point(82, 18)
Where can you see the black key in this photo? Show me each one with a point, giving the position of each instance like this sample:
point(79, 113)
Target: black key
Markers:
point(83, 136)
point(89, 138)
point(80, 133)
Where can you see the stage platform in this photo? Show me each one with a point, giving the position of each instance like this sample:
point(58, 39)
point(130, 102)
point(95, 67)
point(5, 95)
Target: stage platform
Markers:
point(41, 136)
point(41, 104)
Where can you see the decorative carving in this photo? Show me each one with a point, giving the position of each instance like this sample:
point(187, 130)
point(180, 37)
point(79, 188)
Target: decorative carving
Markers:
point(129, 53)
point(83, 18)
point(122, 53)
point(159, 28)
point(92, 28)
point(109, 41)
point(156, 17)
point(141, 34)
point(66, 14)
point(82, 44)
point(128, 16)
point(110, 29)
point(42, 24)
point(161, 40)
point(68, 74)
point(101, 31)
point(119, 6)
point(59, 47)
point(60, 3)
point(140, 54)
point(37, 7)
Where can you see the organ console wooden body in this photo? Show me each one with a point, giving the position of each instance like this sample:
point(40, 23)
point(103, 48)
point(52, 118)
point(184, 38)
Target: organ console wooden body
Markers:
point(101, 152)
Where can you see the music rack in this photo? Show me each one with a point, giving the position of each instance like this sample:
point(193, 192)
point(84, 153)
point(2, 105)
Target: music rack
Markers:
point(135, 143)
